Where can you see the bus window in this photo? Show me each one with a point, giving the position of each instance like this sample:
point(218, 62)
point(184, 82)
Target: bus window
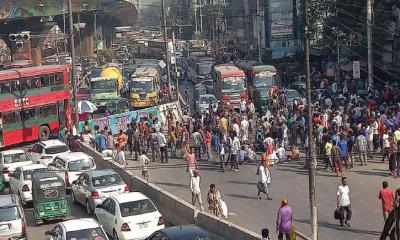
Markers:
point(14, 86)
point(26, 84)
point(28, 114)
point(11, 117)
point(56, 80)
point(4, 87)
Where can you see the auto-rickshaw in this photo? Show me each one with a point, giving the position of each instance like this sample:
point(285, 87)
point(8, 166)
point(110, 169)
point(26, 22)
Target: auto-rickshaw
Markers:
point(49, 197)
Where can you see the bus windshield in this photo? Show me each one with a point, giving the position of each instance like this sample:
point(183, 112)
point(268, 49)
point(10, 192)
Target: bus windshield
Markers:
point(204, 68)
point(233, 84)
point(103, 85)
point(142, 84)
point(264, 79)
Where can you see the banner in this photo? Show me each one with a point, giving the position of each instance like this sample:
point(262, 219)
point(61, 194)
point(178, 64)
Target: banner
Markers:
point(120, 121)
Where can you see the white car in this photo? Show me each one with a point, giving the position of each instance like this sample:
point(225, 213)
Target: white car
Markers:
point(83, 228)
point(11, 159)
point(21, 181)
point(203, 103)
point(12, 218)
point(70, 165)
point(44, 152)
point(129, 216)
point(93, 187)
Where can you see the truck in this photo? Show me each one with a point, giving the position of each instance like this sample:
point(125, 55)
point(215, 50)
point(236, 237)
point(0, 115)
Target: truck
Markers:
point(105, 91)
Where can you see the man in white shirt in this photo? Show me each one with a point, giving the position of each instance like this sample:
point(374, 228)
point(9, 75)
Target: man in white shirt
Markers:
point(162, 141)
point(343, 202)
point(195, 189)
point(235, 152)
point(244, 126)
point(264, 183)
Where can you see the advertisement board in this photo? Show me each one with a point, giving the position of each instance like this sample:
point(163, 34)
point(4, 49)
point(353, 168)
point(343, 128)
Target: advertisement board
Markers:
point(282, 19)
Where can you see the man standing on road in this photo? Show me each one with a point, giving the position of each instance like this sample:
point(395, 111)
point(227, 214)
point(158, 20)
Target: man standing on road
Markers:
point(265, 180)
point(195, 189)
point(155, 145)
point(235, 152)
point(343, 202)
point(197, 142)
point(129, 134)
point(387, 196)
point(336, 159)
point(162, 141)
point(284, 220)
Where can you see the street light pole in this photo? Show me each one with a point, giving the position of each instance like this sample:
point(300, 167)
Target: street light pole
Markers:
point(311, 158)
point(73, 75)
point(258, 32)
point(164, 23)
point(369, 37)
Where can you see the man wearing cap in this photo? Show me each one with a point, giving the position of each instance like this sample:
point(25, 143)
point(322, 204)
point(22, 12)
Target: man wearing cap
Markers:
point(284, 220)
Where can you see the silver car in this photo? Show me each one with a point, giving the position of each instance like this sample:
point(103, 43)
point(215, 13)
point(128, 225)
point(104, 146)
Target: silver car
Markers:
point(92, 188)
point(12, 218)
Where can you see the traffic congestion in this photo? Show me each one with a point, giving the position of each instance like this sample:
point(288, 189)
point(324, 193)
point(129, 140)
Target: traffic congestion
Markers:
point(223, 130)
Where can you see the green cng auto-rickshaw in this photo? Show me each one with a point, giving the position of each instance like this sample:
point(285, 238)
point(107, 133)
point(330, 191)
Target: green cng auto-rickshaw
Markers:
point(49, 197)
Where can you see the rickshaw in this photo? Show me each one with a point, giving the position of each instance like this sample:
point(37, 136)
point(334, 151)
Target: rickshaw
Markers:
point(49, 197)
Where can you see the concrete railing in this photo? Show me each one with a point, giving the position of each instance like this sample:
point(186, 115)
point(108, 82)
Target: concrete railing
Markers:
point(176, 210)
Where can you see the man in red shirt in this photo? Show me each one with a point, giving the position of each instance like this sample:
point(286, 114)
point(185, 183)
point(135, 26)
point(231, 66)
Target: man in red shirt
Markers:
point(387, 196)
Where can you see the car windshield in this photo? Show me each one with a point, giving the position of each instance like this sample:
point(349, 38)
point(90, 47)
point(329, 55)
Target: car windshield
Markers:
point(87, 234)
point(136, 208)
point(28, 174)
point(16, 157)
point(264, 79)
point(106, 180)
point(207, 100)
point(103, 85)
point(9, 214)
point(233, 84)
point(204, 68)
point(56, 149)
point(143, 84)
point(82, 164)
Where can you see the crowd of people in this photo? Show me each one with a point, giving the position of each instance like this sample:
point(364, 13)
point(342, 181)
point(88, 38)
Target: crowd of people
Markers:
point(347, 128)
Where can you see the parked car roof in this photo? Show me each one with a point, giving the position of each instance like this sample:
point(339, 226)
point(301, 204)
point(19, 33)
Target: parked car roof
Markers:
point(72, 156)
point(97, 173)
point(12, 151)
point(9, 200)
point(80, 224)
point(131, 196)
point(52, 142)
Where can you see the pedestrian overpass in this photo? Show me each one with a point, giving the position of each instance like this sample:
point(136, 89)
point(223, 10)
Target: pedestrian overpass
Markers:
point(100, 17)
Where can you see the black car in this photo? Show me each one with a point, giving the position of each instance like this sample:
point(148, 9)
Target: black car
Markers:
point(186, 232)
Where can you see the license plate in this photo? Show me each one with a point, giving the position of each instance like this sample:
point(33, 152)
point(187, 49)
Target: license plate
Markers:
point(143, 225)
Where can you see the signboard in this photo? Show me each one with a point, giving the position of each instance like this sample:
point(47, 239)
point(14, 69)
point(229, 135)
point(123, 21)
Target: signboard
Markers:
point(120, 121)
point(356, 69)
point(282, 19)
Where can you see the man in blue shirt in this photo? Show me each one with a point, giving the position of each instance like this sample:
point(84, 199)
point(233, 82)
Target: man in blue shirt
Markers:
point(101, 141)
point(343, 148)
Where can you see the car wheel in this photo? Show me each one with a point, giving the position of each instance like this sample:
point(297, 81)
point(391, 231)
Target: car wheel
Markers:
point(38, 162)
point(88, 208)
point(115, 235)
point(73, 197)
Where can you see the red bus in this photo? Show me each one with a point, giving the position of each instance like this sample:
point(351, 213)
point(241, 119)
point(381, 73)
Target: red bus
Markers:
point(33, 103)
point(230, 84)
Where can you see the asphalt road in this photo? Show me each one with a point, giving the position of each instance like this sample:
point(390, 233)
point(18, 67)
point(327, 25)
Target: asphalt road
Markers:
point(289, 181)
